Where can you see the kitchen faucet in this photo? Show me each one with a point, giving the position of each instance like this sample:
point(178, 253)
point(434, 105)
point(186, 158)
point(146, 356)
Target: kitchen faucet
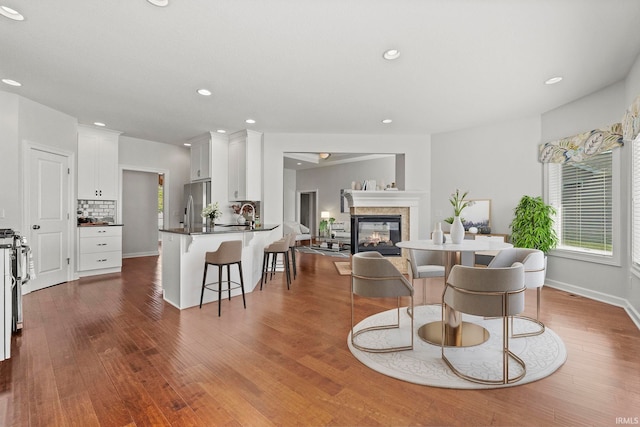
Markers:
point(252, 221)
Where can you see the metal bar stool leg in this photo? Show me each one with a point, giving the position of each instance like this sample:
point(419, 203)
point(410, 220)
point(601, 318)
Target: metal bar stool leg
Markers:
point(293, 259)
point(287, 268)
point(244, 302)
point(229, 280)
point(219, 288)
point(264, 269)
point(204, 279)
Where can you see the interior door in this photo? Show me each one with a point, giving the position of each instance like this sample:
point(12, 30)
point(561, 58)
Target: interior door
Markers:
point(48, 217)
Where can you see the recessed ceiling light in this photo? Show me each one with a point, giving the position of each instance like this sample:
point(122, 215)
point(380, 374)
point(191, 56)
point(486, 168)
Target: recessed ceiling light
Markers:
point(186, 144)
point(553, 80)
point(324, 156)
point(221, 131)
point(391, 54)
point(204, 92)
point(11, 14)
point(387, 121)
point(99, 124)
point(160, 3)
point(250, 121)
point(11, 82)
point(299, 164)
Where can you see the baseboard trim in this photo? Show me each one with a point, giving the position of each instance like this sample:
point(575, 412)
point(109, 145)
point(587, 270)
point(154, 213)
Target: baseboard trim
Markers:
point(141, 254)
point(598, 296)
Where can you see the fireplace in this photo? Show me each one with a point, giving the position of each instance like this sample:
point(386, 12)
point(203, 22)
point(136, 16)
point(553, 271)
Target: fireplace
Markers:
point(376, 233)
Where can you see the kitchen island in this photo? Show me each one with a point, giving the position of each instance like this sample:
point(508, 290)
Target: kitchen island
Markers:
point(183, 254)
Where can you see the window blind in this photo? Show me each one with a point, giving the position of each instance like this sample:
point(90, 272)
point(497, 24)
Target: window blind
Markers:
point(581, 192)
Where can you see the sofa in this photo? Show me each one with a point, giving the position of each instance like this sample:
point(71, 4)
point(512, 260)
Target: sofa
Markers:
point(303, 234)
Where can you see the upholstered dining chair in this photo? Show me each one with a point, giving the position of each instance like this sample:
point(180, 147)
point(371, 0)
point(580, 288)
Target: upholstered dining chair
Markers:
point(534, 263)
point(423, 265)
point(489, 292)
point(374, 276)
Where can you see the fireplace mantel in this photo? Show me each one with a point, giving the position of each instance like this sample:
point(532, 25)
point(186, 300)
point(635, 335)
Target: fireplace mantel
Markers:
point(359, 198)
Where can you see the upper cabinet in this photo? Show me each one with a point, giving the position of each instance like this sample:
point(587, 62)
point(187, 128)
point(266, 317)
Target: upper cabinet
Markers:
point(200, 158)
point(97, 163)
point(245, 166)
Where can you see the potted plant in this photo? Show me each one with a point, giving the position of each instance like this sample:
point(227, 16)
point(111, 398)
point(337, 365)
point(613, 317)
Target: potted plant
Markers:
point(211, 212)
point(532, 226)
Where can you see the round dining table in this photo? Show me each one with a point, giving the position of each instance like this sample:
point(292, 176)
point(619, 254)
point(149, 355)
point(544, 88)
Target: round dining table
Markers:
point(451, 328)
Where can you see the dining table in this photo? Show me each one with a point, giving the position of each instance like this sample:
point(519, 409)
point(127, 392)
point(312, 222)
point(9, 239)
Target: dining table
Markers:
point(451, 329)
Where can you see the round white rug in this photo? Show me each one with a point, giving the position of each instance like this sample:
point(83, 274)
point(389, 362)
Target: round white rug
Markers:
point(542, 354)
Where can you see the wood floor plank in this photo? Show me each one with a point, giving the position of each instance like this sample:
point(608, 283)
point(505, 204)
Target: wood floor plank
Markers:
point(108, 351)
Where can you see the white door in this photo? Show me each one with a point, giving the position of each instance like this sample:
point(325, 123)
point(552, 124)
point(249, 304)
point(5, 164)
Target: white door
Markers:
point(48, 217)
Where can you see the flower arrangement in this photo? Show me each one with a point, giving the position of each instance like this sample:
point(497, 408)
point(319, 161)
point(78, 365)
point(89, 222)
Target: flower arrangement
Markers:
point(212, 210)
point(458, 202)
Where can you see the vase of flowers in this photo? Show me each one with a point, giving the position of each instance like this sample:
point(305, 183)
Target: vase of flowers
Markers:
point(211, 212)
point(459, 203)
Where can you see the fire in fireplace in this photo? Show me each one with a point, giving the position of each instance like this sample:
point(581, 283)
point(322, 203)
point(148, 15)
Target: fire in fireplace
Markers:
point(376, 233)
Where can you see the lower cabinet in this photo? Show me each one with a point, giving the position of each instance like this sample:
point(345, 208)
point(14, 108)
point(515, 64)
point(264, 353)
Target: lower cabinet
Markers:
point(100, 250)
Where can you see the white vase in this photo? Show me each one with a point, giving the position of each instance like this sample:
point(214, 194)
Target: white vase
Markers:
point(457, 231)
point(437, 237)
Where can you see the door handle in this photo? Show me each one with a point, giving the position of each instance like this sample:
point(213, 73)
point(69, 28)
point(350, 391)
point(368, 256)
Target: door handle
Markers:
point(36, 227)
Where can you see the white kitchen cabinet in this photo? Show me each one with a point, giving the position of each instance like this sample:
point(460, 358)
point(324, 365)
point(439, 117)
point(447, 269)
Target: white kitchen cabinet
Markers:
point(200, 158)
point(245, 166)
point(100, 250)
point(97, 164)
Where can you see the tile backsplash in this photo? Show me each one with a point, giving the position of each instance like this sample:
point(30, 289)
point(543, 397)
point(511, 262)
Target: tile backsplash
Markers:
point(101, 209)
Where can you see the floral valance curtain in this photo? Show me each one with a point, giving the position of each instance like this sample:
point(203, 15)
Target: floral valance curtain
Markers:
point(582, 146)
point(631, 121)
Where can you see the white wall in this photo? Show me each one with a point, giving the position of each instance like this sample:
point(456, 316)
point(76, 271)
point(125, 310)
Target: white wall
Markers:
point(10, 172)
point(632, 91)
point(139, 213)
point(144, 155)
point(416, 147)
point(289, 195)
point(24, 120)
point(330, 180)
point(496, 162)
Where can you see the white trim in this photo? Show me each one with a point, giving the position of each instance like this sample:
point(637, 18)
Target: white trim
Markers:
point(166, 194)
point(141, 254)
point(597, 296)
point(25, 148)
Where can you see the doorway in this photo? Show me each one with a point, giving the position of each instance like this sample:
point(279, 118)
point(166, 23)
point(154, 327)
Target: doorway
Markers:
point(144, 195)
point(308, 210)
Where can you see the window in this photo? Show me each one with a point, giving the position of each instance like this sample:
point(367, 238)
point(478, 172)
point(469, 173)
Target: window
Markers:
point(582, 193)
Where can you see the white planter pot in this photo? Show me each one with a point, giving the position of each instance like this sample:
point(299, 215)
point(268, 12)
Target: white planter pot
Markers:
point(457, 231)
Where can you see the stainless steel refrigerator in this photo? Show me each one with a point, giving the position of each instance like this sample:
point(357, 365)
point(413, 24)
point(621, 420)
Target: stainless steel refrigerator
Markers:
point(196, 196)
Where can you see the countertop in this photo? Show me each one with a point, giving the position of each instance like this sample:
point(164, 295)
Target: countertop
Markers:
point(98, 224)
point(221, 229)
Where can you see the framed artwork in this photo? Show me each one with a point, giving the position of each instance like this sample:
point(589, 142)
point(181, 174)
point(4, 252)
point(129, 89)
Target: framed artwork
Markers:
point(477, 214)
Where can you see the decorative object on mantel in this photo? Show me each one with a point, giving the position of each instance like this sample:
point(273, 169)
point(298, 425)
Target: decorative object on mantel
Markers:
point(437, 236)
point(582, 146)
point(211, 212)
point(459, 203)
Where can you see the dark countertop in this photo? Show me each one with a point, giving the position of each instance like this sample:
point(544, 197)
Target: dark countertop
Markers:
point(95, 224)
point(221, 229)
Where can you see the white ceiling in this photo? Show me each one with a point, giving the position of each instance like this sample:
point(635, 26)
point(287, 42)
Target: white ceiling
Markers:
point(312, 66)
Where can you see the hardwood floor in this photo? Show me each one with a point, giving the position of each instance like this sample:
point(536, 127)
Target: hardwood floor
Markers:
point(109, 351)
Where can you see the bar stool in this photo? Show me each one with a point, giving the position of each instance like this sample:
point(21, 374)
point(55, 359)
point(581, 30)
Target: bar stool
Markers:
point(228, 253)
point(290, 238)
point(274, 249)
